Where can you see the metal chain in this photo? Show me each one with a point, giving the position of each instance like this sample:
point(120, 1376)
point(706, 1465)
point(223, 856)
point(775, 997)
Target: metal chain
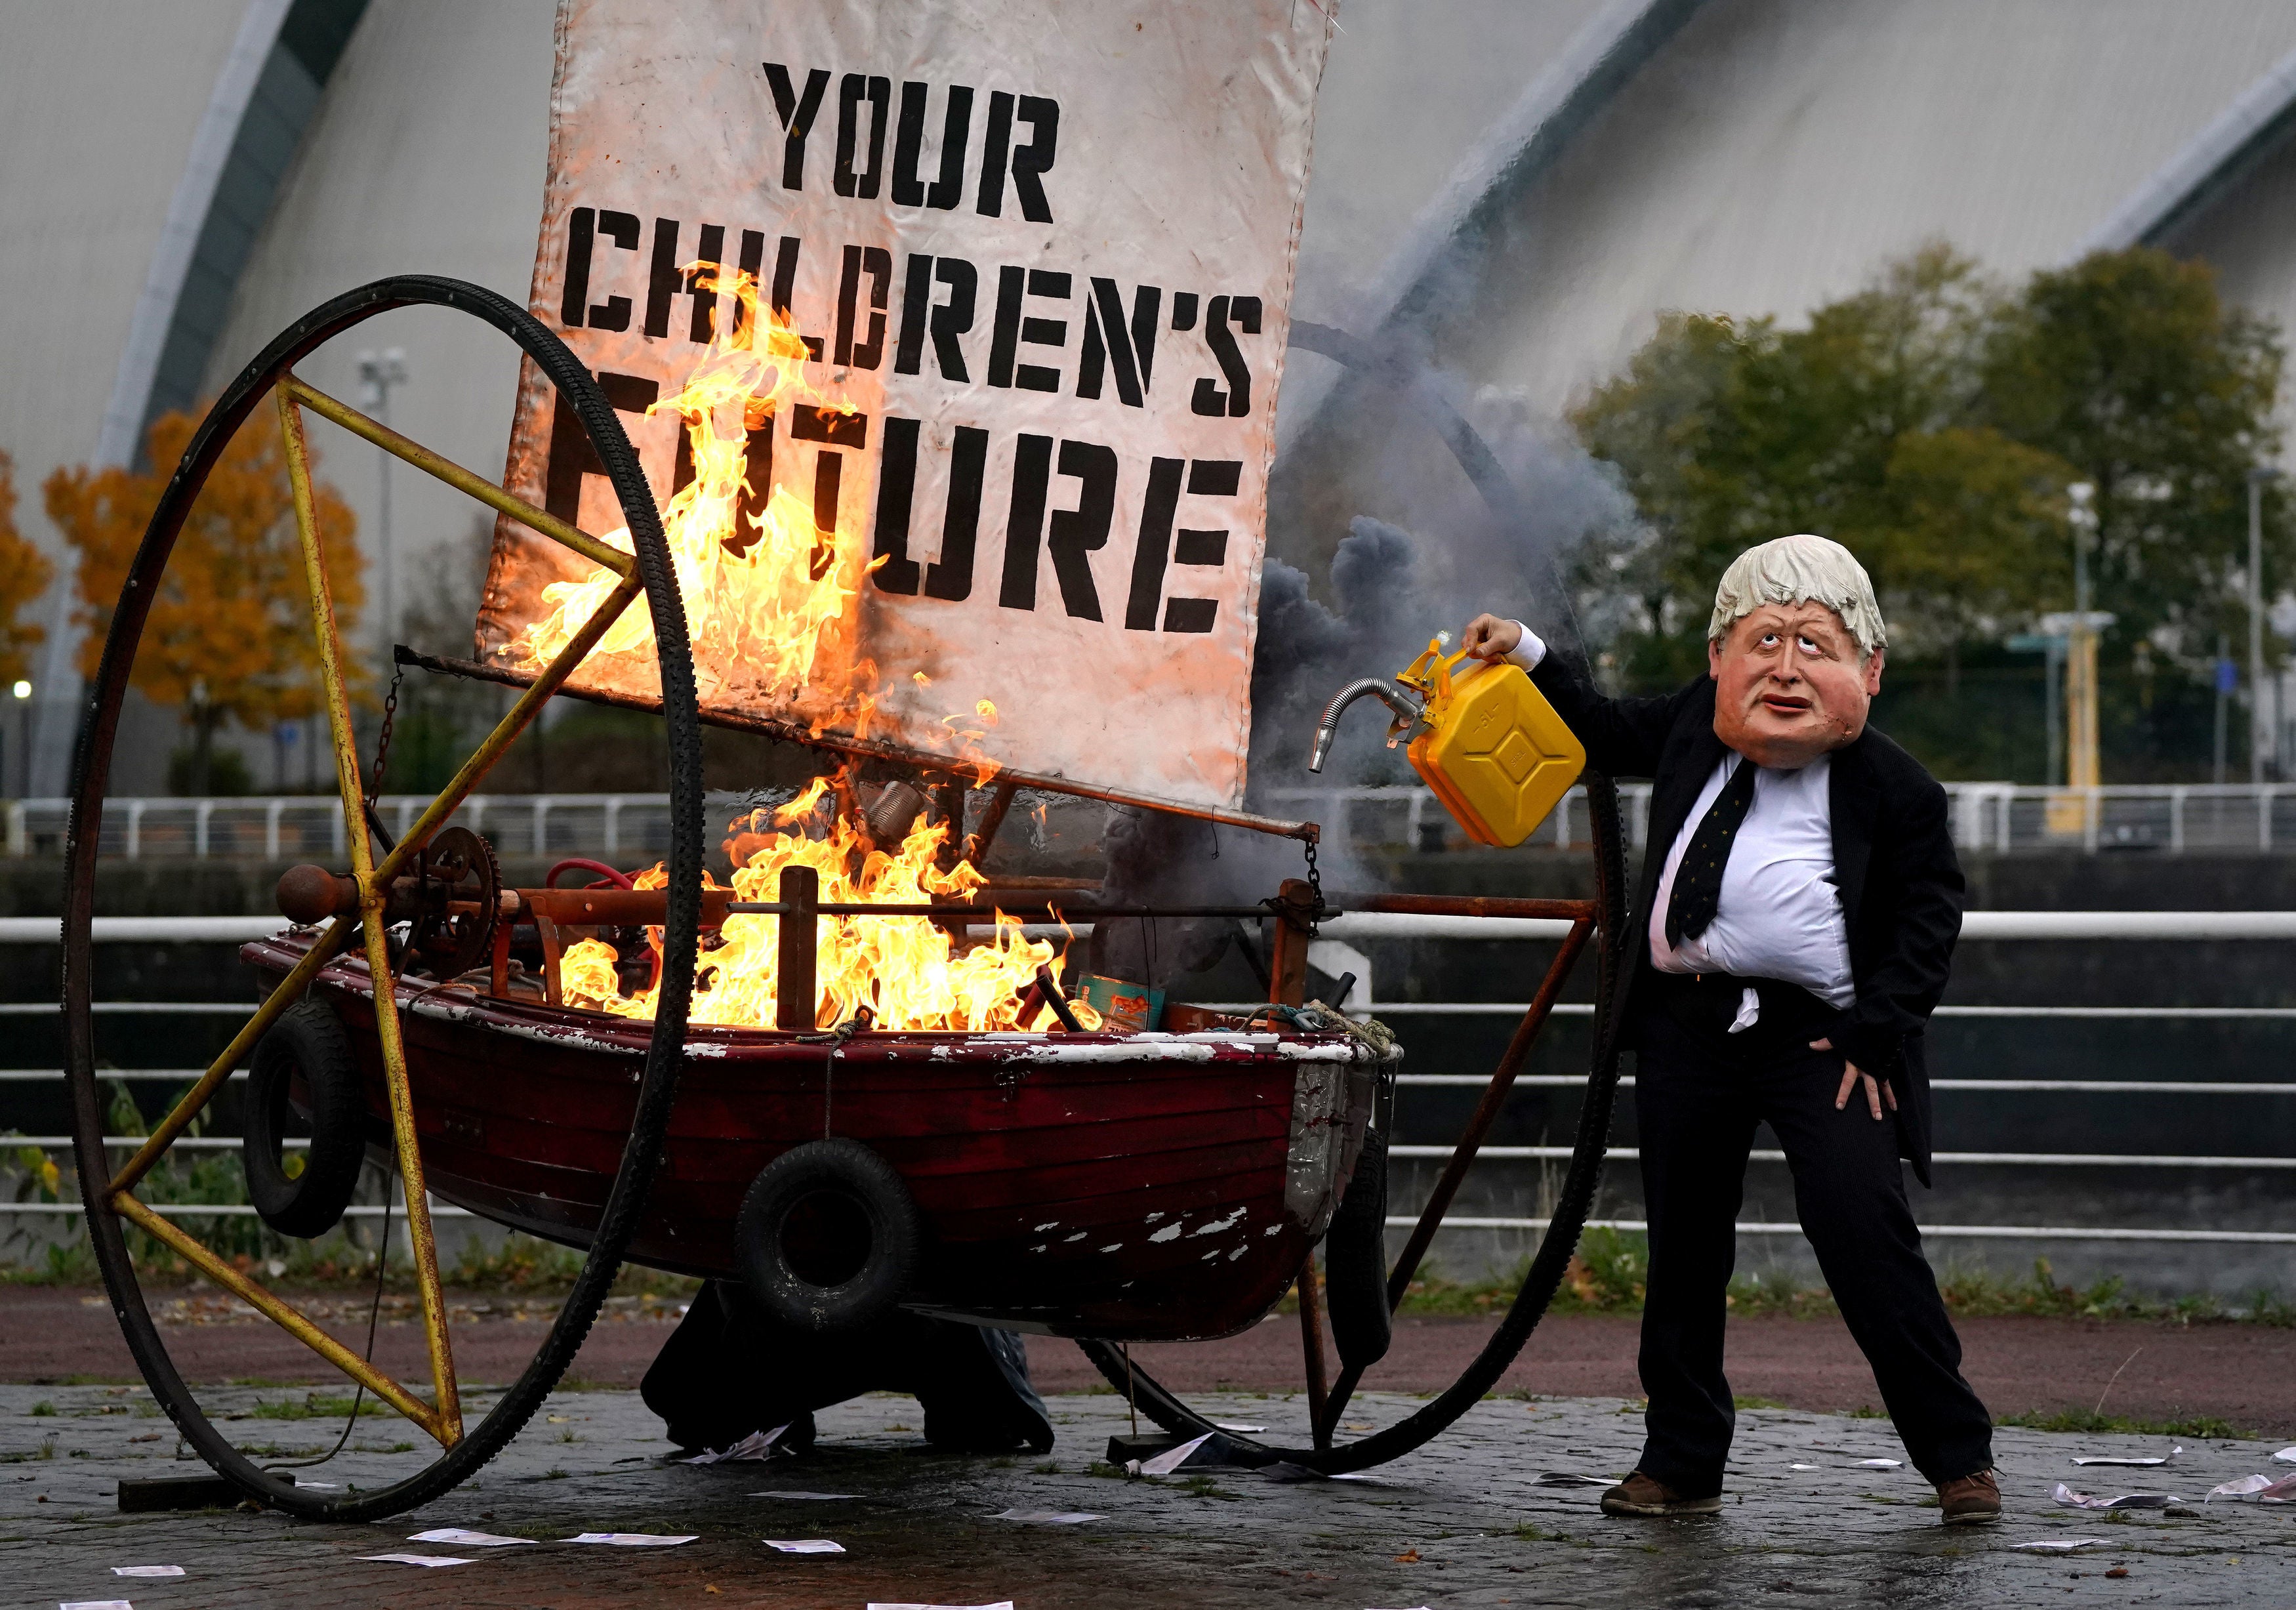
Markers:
point(383, 742)
point(1314, 882)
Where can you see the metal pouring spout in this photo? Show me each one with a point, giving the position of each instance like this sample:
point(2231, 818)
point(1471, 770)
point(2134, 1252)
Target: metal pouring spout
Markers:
point(1400, 701)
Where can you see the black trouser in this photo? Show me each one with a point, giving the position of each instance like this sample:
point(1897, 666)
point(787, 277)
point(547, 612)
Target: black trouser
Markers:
point(727, 1371)
point(1699, 1092)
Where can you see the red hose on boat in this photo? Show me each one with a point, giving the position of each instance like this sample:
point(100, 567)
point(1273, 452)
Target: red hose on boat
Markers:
point(583, 864)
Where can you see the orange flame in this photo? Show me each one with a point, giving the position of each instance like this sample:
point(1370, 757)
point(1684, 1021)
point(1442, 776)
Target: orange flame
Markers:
point(910, 973)
point(762, 584)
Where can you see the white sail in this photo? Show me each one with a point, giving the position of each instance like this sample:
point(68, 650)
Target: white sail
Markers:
point(1041, 259)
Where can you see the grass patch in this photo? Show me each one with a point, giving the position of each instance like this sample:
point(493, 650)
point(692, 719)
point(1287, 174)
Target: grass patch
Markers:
point(2097, 1425)
point(43, 1409)
point(1742, 1401)
point(1610, 1272)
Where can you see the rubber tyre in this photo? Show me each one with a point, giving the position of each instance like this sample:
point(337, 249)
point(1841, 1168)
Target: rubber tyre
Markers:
point(1355, 1262)
point(848, 1176)
point(308, 1039)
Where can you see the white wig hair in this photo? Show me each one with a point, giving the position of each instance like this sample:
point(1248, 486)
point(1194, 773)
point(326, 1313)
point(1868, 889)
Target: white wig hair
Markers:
point(1801, 569)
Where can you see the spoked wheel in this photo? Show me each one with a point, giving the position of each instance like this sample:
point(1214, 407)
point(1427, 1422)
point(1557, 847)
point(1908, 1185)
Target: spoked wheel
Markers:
point(110, 1194)
point(1360, 1335)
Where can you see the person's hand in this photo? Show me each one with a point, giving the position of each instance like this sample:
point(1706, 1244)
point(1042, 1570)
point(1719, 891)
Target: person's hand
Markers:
point(1877, 1091)
point(1488, 638)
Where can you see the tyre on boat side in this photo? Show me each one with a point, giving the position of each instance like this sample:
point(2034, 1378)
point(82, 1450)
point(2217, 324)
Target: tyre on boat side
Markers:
point(829, 1238)
point(305, 1061)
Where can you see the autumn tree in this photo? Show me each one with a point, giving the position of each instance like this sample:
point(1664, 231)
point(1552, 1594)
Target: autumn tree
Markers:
point(229, 638)
point(24, 575)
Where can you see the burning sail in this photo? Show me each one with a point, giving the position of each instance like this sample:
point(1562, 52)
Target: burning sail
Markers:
point(954, 365)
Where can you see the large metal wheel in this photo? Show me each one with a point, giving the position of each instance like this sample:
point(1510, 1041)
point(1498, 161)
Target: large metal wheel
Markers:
point(1607, 918)
point(110, 1191)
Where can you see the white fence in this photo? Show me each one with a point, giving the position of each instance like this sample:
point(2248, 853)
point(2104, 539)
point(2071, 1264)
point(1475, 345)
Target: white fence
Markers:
point(310, 826)
point(1995, 816)
point(1998, 817)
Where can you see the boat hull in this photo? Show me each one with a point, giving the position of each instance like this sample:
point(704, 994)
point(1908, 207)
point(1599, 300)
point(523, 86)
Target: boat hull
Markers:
point(1132, 1187)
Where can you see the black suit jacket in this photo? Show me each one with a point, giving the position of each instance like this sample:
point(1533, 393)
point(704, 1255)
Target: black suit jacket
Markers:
point(1893, 860)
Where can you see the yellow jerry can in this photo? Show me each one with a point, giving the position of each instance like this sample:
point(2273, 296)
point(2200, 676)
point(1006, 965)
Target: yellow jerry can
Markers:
point(1490, 745)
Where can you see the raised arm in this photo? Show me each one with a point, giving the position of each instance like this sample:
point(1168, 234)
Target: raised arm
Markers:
point(1623, 736)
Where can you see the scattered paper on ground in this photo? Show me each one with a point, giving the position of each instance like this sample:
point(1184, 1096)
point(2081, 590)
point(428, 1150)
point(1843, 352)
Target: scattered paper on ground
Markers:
point(2108, 1459)
point(2286, 1456)
point(756, 1445)
point(1248, 1429)
point(804, 1545)
point(468, 1540)
point(1879, 1464)
point(2128, 1500)
point(1172, 1458)
point(816, 1497)
point(121, 1603)
point(1046, 1517)
point(1572, 1478)
point(630, 1539)
point(2060, 1545)
point(2257, 1489)
point(416, 1559)
point(1801, 1467)
point(147, 1570)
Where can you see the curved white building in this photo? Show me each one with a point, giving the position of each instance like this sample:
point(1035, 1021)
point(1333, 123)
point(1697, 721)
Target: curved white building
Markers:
point(1516, 190)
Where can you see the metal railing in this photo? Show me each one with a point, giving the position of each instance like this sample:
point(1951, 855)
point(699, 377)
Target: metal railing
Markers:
point(310, 826)
point(2000, 817)
point(2000, 926)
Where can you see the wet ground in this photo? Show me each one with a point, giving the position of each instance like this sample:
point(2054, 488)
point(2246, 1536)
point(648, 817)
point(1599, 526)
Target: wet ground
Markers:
point(1494, 1513)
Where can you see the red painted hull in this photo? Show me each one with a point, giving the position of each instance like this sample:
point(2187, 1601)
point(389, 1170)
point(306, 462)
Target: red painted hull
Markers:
point(1141, 1187)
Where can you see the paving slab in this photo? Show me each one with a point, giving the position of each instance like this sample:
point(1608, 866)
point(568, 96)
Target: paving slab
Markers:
point(1475, 1518)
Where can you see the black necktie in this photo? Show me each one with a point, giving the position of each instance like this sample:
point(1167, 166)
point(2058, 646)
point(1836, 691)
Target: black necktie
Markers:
point(1698, 881)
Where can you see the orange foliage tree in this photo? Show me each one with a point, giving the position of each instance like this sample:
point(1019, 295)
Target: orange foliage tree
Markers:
point(24, 575)
point(229, 637)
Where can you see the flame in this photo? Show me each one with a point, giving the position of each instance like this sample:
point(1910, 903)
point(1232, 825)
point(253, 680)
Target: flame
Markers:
point(910, 973)
point(770, 604)
point(762, 584)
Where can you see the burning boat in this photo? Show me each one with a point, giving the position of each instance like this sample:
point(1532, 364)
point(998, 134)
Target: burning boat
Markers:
point(969, 1142)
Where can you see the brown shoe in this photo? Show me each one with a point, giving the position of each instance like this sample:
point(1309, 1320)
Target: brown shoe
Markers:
point(1969, 1501)
point(1639, 1494)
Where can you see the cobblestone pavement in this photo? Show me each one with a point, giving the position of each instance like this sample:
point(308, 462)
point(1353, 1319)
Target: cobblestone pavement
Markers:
point(1465, 1521)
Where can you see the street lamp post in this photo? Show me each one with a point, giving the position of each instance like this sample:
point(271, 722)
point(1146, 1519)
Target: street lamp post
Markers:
point(22, 692)
point(2257, 477)
point(379, 371)
point(2082, 765)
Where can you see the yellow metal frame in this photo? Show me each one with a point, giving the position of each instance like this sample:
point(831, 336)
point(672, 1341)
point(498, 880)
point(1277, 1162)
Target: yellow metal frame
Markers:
point(442, 1417)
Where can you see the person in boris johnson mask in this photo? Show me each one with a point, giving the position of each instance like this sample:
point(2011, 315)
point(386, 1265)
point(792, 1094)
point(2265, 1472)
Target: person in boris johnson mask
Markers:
point(1794, 924)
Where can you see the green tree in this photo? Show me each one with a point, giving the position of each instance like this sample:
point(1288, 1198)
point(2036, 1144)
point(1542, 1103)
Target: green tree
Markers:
point(1932, 423)
point(2128, 367)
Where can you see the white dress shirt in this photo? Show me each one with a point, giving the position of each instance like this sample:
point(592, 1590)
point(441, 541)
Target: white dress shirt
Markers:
point(1780, 914)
